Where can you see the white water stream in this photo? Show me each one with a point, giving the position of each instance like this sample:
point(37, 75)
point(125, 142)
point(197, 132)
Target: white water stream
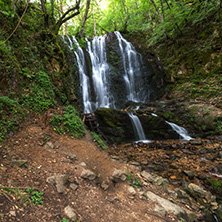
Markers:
point(138, 129)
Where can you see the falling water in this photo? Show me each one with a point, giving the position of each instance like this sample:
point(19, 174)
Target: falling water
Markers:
point(180, 130)
point(96, 87)
point(84, 79)
point(132, 63)
point(138, 129)
point(100, 71)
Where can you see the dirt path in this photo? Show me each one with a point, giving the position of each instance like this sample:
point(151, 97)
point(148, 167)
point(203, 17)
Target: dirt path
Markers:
point(89, 201)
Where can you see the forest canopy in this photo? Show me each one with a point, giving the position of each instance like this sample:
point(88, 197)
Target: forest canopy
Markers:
point(156, 19)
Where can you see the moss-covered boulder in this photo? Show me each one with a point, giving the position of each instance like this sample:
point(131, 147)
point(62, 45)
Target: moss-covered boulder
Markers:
point(117, 127)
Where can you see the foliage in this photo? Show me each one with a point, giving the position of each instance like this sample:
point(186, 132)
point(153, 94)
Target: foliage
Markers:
point(64, 220)
point(34, 195)
point(69, 122)
point(98, 139)
point(30, 194)
point(135, 181)
point(40, 95)
point(10, 113)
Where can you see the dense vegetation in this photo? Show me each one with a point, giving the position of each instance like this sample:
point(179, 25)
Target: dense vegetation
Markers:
point(35, 75)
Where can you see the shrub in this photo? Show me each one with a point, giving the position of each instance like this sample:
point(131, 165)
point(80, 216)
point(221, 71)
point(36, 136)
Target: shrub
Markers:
point(69, 123)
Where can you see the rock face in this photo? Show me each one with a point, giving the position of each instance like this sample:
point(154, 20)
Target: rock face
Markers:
point(117, 128)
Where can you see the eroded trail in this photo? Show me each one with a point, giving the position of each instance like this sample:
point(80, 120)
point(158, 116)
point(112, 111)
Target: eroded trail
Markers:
point(48, 154)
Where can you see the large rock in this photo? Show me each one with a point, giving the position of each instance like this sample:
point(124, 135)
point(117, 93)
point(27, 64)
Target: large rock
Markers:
point(202, 196)
point(116, 126)
point(171, 207)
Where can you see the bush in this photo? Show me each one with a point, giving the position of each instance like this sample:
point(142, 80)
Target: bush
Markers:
point(10, 114)
point(69, 123)
point(40, 95)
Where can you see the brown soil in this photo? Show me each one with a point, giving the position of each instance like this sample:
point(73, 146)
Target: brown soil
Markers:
point(90, 201)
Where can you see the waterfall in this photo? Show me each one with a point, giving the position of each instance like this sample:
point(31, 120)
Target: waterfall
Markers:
point(110, 85)
point(84, 79)
point(138, 129)
point(132, 63)
point(180, 130)
point(100, 71)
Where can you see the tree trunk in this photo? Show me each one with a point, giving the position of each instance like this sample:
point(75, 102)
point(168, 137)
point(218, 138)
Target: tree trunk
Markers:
point(85, 16)
point(94, 23)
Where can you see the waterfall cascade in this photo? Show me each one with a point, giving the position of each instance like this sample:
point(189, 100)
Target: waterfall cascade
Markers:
point(102, 80)
point(100, 71)
point(97, 86)
point(180, 130)
point(138, 129)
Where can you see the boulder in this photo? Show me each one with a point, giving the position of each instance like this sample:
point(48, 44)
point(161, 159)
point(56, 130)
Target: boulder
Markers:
point(169, 206)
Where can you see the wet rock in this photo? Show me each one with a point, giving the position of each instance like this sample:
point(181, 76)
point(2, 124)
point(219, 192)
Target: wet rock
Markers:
point(118, 175)
point(168, 206)
point(202, 177)
point(70, 213)
point(189, 174)
point(196, 142)
point(88, 174)
point(219, 212)
point(60, 182)
point(220, 154)
point(20, 163)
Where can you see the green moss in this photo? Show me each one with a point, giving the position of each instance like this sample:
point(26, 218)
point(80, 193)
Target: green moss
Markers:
point(98, 139)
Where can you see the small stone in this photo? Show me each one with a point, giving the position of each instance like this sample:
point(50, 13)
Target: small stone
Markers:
point(135, 163)
point(49, 146)
point(115, 157)
point(13, 213)
point(220, 154)
point(132, 190)
point(189, 174)
point(82, 164)
point(144, 162)
point(72, 157)
point(88, 174)
point(70, 213)
point(73, 186)
point(19, 163)
point(104, 185)
point(196, 142)
point(147, 176)
point(51, 180)
point(60, 182)
point(118, 175)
